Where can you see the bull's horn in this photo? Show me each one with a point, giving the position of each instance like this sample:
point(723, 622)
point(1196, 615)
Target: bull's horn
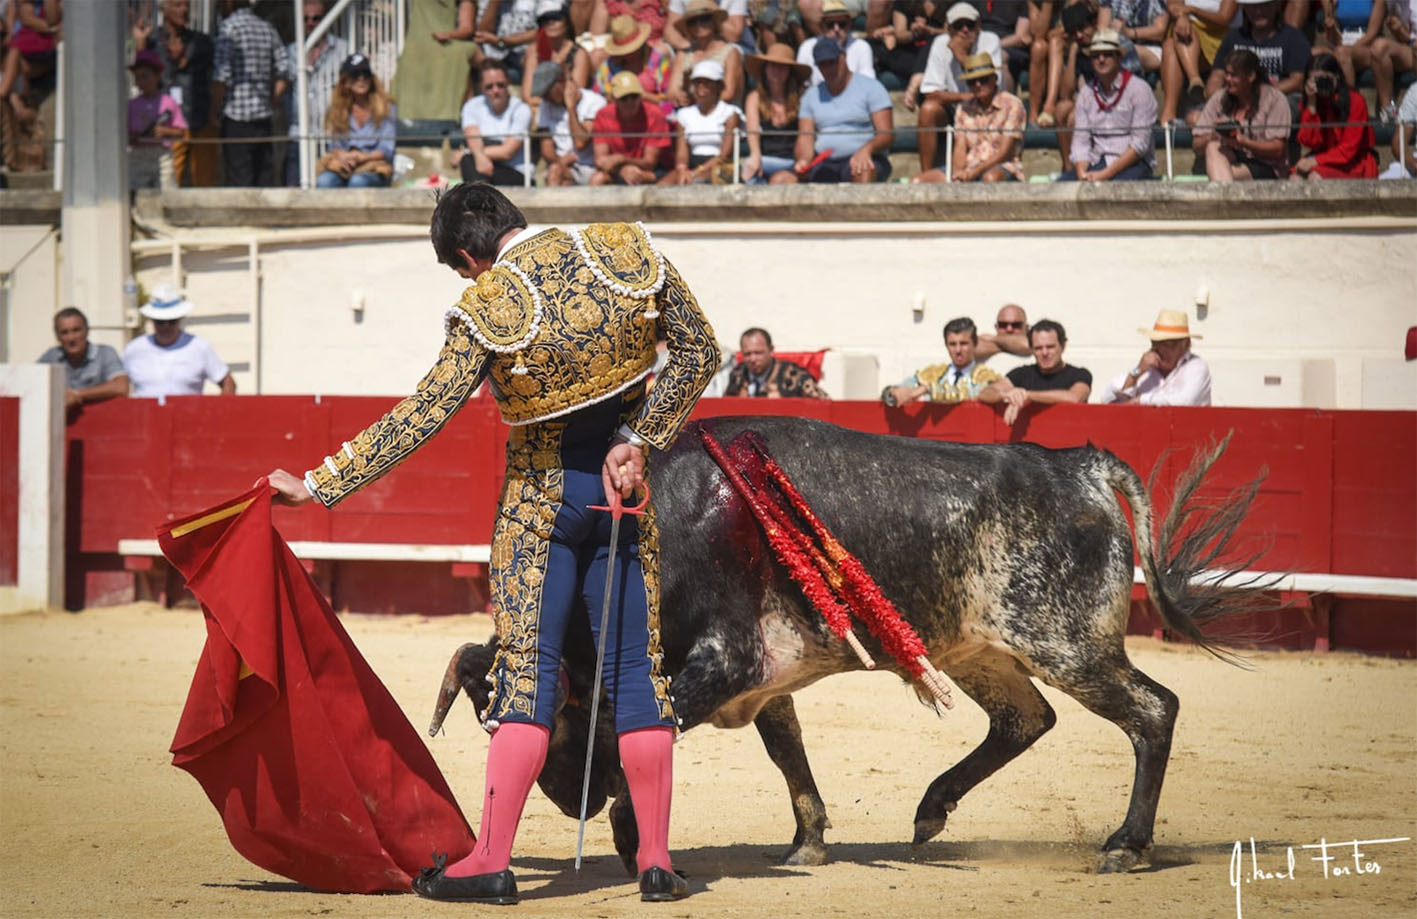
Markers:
point(447, 693)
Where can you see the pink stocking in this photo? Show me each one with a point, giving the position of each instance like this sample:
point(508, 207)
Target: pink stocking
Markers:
point(648, 760)
point(514, 760)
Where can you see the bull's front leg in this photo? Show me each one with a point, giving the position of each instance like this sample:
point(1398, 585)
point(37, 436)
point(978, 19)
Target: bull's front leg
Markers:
point(782, 737)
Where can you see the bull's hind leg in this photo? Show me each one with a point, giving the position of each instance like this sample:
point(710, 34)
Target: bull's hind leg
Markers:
point(1146, 711)
point(782, 736)
point(1018, 716)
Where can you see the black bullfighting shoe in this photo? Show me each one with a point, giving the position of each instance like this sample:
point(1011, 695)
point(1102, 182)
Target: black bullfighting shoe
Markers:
point(499, 887)
point(658, 885)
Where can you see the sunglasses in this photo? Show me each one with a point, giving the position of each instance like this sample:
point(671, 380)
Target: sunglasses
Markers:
point(842, 24)
point(699, 21)
point(978, 81)
point(1008, 325)
point(963, 24)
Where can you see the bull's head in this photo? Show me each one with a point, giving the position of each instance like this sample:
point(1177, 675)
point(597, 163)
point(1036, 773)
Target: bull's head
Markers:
point(564, 771)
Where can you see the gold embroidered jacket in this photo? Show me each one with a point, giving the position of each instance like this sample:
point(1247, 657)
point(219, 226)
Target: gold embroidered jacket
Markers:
point(561, 321)
point(936, 376)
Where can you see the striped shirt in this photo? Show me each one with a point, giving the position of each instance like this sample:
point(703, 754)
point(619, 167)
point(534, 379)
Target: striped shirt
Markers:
point(250, 57)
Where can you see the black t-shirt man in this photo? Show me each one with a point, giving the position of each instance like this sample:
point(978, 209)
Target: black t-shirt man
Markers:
point(1029, 377)
point(1283, 53)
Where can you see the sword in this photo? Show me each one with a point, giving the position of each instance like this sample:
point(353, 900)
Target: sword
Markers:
point(617, 509)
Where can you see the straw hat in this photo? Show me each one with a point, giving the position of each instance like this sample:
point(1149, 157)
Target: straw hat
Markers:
point(697, 8)
point(978, 65)
point(165, 303)
point(626, 35)
point(1170, 325)
point(779, 53)
point(1105, 40)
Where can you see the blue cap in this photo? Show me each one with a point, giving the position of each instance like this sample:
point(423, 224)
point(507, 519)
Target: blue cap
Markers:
point(826, 49)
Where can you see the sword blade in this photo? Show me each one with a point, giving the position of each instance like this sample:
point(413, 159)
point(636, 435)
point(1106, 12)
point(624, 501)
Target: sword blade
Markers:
point(599, 676)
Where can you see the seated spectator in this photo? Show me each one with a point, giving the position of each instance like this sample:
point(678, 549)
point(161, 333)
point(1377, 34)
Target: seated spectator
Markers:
point(627, 51)
point(775, 22)
point(632, 141)
point(1007, 20)
point(30, 52)
point(772, 114)
point(733, 24)
point(704, 150)
point(1351, 29)
point(155, 120)
point(507, 28)
point(1197, 29)
point(988, 130)
point(1066, 58)
point(566, 115)
point(761, 374)
point(960, 380)
point(1333, 125)
point(495, 126)
point(1167, 373)
point(171, 362)
point(1010, 334)
point(361, 122)
point(1244, 131)
point(1404, 137)
point(941, 83)
point(836, 25)
point(1044, 28)
point(554, 43)
point(647, 12)
point(1076, 71)
point(1282, 49)
point(845, 125)
point(1394, 54)
point(702, 19)
point(1143, 23)
point(92, 373)
point(1112, 139)
point(900, 45)
point(437, 68)
point(1048, 380)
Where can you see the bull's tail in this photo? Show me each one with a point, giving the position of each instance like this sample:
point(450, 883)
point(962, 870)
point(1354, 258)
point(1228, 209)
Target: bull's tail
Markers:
point(1193, 569)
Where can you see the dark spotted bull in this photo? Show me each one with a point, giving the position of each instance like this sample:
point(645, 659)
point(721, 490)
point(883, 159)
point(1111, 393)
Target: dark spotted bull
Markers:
point(1012, 562)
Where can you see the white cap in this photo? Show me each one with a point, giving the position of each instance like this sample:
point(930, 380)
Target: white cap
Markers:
point(707, 70)
point(961, 11)
point(166, 302)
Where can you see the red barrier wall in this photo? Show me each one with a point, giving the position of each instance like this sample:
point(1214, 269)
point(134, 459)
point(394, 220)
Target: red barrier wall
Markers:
point(1340, 496)
point(9, 490)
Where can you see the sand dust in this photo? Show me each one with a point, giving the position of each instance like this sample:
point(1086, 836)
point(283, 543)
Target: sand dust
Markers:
point(94, 821)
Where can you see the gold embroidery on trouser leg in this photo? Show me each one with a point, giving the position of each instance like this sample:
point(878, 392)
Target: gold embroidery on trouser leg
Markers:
point(649, 565)
point(521, 545)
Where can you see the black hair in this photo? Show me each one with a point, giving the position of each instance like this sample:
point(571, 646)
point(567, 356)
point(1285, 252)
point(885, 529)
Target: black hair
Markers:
point(1048, 325)
point(70, 312)
point(757, 331)
point(473, 217)
point(962, 324)
point(1324, 62)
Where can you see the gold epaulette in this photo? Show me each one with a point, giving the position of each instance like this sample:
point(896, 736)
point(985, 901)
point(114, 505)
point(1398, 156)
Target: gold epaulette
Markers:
point(503, 311)
point(623, 257)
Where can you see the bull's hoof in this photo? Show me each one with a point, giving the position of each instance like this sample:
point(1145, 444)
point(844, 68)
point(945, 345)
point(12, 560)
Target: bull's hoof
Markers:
point(632, 867)
point(806, 855)
point(927, 828)
point(1119, 861)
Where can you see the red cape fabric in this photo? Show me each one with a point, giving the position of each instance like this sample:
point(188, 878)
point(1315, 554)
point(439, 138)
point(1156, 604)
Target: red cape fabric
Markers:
point(316, 773)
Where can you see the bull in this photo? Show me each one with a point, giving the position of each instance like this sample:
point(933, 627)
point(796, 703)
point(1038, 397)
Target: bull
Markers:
point(1012, 562)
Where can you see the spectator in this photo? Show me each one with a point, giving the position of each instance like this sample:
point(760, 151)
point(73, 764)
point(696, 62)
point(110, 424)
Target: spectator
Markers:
point(35, 27)
point(772, 114)
point(1352, 29)
point(1244, 131)
point(845, 124)
point(1167, 373)
point(1393, 54)
point(1144, 23)
point(1197, 29)
point(92, 373)
point(761, 374)
point(733, 23)
point(988, 130)
point(960, 380)
point(1404, 136)
point(1044, 28)
point(187, 74)
point(899, 46)
point(1048, 380)
point(702, 19)
point(1010, 334)
point(628, 51)
point(171, 362)
point(777, 22)
point(154, 122)
point(565, 118)
point(647, 12)
point(1076, 25)
point(704, 151)
point(436, 69)
point(506, 29)
point(1333, 124)
point(1112, 139)
point(322, 77)
point(836, 25)
point(361, 122)
point(941, 83)
point(251, 71)
point(1282, 49)
point(495, 126)
point(554, 44)
point(1070, 70)
point(632, 141)
point(1007, 20)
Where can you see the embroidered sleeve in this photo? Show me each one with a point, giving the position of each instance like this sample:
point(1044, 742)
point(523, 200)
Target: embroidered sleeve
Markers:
point(693, 360)
point(394, 437)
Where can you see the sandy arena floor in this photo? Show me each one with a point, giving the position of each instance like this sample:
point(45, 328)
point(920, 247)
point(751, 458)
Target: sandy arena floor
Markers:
point(94, 821)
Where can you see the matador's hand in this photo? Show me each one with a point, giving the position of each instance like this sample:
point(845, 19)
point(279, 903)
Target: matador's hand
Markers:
point(289, 490)
point(624, 470)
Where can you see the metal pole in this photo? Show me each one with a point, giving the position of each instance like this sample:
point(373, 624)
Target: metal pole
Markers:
point(526, 158)
point(737, 140)
point(400, 25)
point(1170, 170)
point(1402, 145)
point(253, 255)
point(56, 156)
point(949, 153)
point(302, 101)
point(325, 24)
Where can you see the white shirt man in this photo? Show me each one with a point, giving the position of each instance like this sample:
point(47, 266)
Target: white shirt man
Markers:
point(171, 362)
point(836, 23)
point(494, 118)
point(1168, 373)
point(943, 70)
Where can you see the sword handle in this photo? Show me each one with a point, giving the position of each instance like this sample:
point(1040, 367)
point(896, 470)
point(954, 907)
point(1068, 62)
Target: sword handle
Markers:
point(618, 508)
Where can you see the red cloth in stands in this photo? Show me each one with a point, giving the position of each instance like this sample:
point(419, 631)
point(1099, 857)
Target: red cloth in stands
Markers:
point(316, 773)
point(1345, 151)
